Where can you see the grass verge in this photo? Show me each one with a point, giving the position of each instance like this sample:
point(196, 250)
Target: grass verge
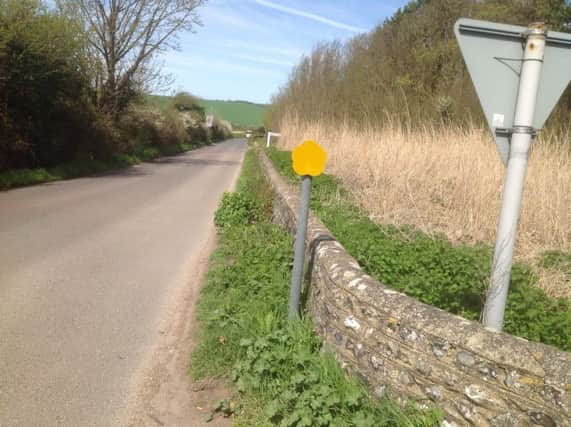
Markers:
point(280, 369)
point(22, 177)
point(432, 269)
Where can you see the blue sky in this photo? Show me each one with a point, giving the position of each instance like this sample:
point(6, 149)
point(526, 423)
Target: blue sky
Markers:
point(247, 48)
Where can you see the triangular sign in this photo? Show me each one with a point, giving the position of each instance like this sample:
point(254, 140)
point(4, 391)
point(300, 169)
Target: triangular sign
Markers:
point(493, 54)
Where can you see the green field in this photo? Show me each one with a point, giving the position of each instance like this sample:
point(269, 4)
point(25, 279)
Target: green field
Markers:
point(239, 113)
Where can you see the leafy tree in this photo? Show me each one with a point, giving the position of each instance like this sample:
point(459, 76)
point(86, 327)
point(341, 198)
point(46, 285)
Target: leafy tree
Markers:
point(409, 69)
point(44, 87)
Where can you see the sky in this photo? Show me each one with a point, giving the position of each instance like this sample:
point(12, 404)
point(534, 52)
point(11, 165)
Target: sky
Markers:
point(245, 49)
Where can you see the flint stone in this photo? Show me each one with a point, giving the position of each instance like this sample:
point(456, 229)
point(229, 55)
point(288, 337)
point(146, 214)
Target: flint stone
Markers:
point(465, 359)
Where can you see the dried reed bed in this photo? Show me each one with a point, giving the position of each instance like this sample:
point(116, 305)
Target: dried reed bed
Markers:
point(448, 181)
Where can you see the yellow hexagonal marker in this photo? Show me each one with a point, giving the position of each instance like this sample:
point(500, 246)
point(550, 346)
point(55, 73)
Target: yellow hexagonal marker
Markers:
point(309, 159)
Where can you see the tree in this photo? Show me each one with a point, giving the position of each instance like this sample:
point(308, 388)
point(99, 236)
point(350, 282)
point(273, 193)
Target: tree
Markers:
point(126, 36)
point(45, 111)
point(409, 69)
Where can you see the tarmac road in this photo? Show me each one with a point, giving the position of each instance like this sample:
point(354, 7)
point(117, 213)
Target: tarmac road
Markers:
point(86, 268)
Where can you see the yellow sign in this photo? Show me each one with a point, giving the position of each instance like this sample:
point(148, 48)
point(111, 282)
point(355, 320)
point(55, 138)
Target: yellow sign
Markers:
point(309, 159)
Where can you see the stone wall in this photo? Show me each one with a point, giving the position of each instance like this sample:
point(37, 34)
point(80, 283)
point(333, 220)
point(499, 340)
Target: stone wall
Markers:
point(400, 346)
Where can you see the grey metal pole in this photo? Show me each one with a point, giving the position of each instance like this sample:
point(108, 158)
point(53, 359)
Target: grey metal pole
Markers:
point(515, 175)
point(299, 255)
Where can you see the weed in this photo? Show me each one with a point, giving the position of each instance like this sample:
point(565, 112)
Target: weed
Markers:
point(307, 388)
point(558, 260)
point(237, 209)
point(279, 367)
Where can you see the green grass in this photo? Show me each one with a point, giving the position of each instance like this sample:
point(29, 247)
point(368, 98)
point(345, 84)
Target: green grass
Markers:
point(239, 113)
point(283, 376)
point(433, 270)
point(557, 260)
point(23, 177)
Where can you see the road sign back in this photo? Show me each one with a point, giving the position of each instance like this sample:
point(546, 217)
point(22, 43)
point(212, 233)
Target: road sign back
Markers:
point(309, 159)
point(493, 54)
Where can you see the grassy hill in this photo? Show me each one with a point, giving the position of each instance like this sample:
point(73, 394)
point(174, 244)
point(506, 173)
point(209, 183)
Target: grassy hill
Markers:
point(239, 113)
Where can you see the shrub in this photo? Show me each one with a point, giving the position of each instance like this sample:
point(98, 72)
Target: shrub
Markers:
point(172, 130)
point(199, 135)
point(238, 209)
point(46, 113)
point(305, 386)
point(221, 130)
point(139, 127)
point(184, 101)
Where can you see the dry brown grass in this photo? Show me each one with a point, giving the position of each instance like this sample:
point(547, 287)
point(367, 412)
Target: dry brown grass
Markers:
point(448, 181)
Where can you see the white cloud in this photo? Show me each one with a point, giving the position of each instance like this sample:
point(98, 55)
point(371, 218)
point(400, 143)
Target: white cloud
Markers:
point(312, 16)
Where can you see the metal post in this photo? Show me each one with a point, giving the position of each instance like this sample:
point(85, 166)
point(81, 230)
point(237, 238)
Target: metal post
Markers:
point(515, 176)
point(298, 261)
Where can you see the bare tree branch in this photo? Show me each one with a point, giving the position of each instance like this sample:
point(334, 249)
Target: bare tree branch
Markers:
point(127, 35)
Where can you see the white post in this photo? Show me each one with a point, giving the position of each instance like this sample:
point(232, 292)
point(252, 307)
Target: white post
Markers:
point(515, 176)
point(269, 137)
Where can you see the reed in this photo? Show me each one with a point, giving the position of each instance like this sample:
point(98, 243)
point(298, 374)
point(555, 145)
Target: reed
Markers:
point(449, 180)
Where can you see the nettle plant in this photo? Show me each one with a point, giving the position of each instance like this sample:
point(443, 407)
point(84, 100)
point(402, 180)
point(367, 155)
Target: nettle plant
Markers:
point(305, 386)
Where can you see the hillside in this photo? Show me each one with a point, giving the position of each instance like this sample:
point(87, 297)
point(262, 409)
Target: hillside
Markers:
point(239, 113)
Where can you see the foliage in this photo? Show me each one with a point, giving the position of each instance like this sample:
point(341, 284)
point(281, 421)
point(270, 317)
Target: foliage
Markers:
point(46, 116)
point(409, 68)
point(248, 275)
point(306, 387)
point(277, 365)
point(173, 129)
point(237, 209)
point(558, 260)
point(433, 270)
point(52, 125)
point(221, 130)
point(184, 101)
point(250, 204)
point(199, 133)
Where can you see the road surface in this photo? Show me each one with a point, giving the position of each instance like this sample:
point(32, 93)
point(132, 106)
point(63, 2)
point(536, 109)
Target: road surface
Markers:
point(87, 267)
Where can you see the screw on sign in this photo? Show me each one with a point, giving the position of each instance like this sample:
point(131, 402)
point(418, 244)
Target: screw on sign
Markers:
point(308, 161)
